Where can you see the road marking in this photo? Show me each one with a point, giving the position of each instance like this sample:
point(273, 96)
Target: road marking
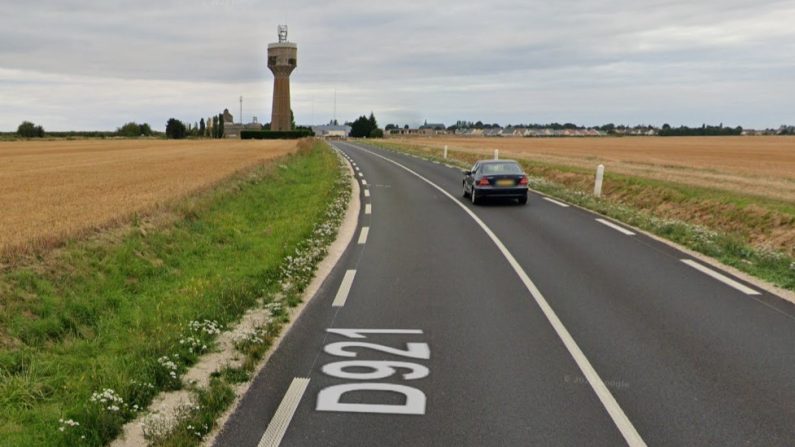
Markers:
point(615, 227)
point(721, 277)
point(367, 193)
point(363, 235)
point(345, 289)
point(368, 209)
point(361, 174)
point(618, 416)
point(556, 202)
point(284, 414)
point(364, 182)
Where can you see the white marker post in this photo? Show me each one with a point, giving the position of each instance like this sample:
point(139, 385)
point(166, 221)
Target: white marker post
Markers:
point(496, 154)
point(600, 174)
point(445, 151)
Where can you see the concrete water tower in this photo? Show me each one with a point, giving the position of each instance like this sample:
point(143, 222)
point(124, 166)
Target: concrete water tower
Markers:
point(282, 60)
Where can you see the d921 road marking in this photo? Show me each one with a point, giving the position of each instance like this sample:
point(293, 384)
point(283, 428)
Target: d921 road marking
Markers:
point(329, 398)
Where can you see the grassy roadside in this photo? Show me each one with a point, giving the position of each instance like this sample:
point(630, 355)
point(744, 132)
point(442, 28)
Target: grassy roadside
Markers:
point(90, 336)
point(755, 235)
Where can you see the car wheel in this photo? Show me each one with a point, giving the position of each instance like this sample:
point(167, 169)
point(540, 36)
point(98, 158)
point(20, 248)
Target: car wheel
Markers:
point(523, 200)
point(475, 199)
point(466, 194)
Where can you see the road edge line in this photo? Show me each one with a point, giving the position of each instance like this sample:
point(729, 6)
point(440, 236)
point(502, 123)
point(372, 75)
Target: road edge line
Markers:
point(721, 277)
point(278, 425)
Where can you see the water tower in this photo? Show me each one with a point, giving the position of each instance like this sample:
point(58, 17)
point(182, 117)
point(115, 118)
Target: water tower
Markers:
point(282, 60)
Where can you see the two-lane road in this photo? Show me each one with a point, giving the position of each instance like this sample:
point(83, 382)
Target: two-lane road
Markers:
point(449, 324)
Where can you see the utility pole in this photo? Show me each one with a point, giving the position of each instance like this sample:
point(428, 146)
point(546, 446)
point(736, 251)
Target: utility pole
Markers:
point(241, 110)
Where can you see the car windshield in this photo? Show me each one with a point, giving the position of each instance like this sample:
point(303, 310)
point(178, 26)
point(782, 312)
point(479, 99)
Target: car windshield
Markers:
point(501, 168)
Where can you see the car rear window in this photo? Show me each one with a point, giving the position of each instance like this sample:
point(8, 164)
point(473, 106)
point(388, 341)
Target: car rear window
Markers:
point(501, 168)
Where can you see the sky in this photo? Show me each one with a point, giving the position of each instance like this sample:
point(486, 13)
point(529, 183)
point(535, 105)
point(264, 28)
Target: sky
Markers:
point(96, 64)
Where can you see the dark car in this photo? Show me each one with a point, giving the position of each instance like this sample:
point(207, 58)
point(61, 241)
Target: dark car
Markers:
point(495, 178)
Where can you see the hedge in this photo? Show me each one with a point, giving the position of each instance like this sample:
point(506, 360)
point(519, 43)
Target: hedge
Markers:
point(274, 135)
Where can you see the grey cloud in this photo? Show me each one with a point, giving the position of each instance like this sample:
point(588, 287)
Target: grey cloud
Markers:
point(409, 59)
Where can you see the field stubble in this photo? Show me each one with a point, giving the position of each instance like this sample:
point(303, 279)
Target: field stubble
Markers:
point(763, 166)
point(53, 190)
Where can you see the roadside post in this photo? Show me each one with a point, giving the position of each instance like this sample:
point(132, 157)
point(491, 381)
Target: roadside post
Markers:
point(600, 174)
point(445, 151)
point(496, 154)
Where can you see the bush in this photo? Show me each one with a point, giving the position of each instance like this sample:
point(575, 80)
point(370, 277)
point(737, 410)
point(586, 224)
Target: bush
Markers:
point(275, 135)
point(133, 129)
point(30, 130)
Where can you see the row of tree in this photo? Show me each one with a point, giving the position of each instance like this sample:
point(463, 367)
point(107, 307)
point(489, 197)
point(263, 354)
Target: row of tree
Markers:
point(366, 127)
point(704, 130)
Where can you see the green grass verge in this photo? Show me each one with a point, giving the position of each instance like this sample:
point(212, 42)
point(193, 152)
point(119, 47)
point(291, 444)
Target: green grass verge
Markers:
point(90, 336)
point(730, 227)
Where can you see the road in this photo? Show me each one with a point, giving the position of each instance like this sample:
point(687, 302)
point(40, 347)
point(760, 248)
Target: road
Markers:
point(511, 325)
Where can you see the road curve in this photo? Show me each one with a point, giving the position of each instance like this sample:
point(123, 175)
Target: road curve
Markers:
point(450, 324)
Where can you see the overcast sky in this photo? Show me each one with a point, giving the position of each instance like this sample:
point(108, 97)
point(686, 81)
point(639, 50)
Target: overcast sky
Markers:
point(95, 64)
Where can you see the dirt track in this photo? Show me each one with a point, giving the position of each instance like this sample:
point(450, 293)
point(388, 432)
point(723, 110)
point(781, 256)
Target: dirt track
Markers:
point(53, 189)
point(758, 165)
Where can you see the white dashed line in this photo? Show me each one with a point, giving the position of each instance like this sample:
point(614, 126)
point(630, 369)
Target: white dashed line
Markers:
point(344, 290)
point(367, 193)
point(721, 277)
point(284, 414)
point(368, 209)
point(615, 227)
point(364, 182)
point(361, 174)
point(556, 202)
point(363, 235)
point(607, 399)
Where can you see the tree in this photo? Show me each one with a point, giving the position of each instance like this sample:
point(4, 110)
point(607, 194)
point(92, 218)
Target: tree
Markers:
point(372, 121)
point(30, 130)
point(130, 129)
point(202, 127)
point(292, 120)
point(376, 133)
point(221, 125)
point(390, 127)
point(175, 129)
point(362, 127)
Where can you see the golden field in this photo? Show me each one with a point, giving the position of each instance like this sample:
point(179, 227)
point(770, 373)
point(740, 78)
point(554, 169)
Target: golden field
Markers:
point(50, 190)
point(762, 166)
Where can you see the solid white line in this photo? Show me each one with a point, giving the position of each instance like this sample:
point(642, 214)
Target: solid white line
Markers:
point(721, 277)
point(363, 235)
point(368, 209)
point(621, 420)
point(284, 414)
point(345, 289)
point(615, 227)
point(367, 193)
point(556, 202)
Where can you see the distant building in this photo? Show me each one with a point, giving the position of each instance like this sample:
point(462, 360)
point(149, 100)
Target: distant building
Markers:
point(232, 129)
point(331, 131)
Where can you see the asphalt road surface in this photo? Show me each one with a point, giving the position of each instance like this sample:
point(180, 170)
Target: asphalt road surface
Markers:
point(448, 324)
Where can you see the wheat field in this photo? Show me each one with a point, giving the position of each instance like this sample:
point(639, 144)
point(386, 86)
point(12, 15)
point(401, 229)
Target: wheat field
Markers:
point(762, 166)
point(51, 190)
